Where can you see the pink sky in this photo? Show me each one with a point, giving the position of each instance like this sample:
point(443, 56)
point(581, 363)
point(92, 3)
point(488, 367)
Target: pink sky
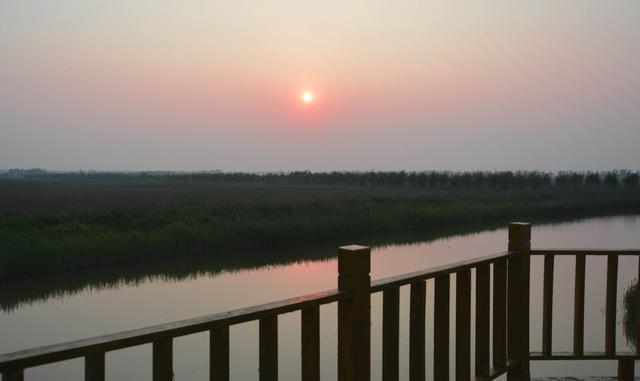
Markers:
point(418, 85)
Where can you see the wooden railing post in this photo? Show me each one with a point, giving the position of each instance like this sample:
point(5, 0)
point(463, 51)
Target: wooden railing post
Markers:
point(626, 370)
point(547, 305)
point(518, 301)
point(463, 325)
point(483, 322)
point(17, 375)
point(500, 315)
point(417, 331)
point(268, 348)
point(578, 306)
point(391, 334)
point(163, 360)
point(610, 305)
point(219, 353)
point(354, 314)
point(94, 367)
point(441, 328)
point(310, 343)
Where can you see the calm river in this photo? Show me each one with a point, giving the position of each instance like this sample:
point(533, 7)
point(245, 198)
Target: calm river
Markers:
point(77, 305)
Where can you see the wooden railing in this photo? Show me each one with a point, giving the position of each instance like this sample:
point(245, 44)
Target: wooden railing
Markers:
point(508, 322)
point(625, 359)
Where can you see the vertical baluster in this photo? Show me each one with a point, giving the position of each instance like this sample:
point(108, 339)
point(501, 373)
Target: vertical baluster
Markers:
point(610, 309)
point(482, 320)
point(463, 325)
point(441, 328)
point(219, 353)
point(626, 370)
point(547, 304)
point(15, 375)
point(94, 367)
point(578, 307)
point(311, 343)
point(500, 314)
point(268, 343)
point(390, 334)
point(417, 332)
point(163, 360)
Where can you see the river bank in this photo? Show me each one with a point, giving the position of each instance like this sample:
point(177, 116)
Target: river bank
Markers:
point(53, 226)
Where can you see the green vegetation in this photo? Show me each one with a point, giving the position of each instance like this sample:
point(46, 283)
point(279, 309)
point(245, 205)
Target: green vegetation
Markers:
point(20, 292)
point(50, 224)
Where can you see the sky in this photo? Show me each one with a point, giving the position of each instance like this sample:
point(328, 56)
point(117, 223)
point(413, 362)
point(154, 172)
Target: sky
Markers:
point(413, 85)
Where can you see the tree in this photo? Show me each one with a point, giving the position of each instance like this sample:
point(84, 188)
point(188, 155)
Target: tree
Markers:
point(592, 179)
point(631, 180)
point(611, 180)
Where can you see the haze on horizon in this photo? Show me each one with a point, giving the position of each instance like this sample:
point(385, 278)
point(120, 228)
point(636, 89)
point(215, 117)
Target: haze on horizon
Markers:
point(190, 85)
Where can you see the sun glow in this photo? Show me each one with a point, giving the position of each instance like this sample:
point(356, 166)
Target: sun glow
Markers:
point(307, 97)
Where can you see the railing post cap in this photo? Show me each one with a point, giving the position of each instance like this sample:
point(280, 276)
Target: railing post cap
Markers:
point(354, 260)
point(520, 232)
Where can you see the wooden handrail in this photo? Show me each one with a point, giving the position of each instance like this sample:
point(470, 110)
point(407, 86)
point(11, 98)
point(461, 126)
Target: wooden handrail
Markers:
point(60, 352)
point(539, 356)
point(582, 252)
point(434, 272)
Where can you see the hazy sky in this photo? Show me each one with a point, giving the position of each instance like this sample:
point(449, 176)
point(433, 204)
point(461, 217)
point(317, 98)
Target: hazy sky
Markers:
point(190, 85)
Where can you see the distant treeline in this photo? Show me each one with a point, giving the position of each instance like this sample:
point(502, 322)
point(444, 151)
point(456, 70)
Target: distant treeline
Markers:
point(500, 180)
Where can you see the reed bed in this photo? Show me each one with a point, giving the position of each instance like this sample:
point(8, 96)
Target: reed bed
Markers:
point(51, 225)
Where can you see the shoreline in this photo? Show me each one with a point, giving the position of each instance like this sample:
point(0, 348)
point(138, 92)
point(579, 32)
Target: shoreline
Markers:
point(452, 218)
point(30, 289)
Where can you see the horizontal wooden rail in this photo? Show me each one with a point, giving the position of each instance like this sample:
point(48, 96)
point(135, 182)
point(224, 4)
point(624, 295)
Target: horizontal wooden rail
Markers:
point(635, 252)
point(100, 344)
point(585, 356)
point(417, 276)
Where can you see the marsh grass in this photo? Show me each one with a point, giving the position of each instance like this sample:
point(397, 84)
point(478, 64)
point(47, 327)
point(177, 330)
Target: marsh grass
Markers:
point(49, 226)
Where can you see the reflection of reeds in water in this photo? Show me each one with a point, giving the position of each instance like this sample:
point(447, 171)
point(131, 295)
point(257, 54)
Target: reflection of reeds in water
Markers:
point(16, 293)
point(20, 292)
point(629, 301)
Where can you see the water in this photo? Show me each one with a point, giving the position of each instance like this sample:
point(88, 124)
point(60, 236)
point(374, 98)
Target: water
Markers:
point(77, 305)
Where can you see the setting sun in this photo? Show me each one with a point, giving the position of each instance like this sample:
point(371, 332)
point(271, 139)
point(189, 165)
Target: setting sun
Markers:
point(307, 97)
